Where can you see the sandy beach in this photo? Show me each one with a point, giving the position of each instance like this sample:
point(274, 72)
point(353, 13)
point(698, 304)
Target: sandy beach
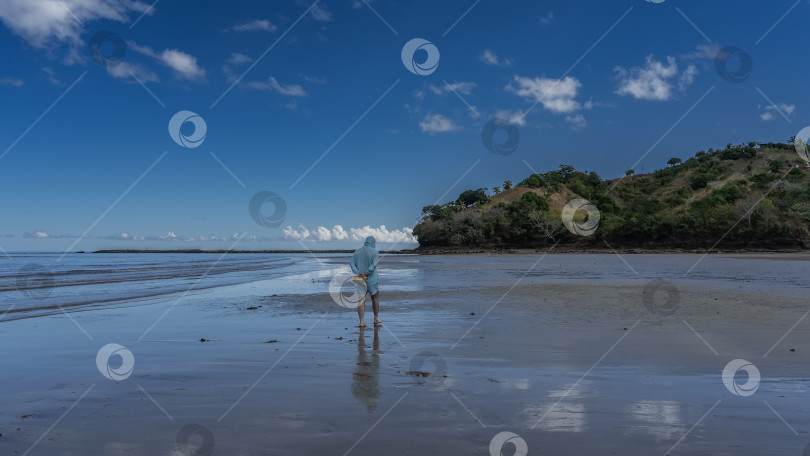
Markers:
point(573, 354)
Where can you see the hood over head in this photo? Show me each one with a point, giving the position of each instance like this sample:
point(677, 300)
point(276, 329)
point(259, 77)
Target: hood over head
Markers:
point(371, 242)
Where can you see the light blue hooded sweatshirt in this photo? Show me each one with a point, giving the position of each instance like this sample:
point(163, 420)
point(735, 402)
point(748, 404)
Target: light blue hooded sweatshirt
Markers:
point(365, 260)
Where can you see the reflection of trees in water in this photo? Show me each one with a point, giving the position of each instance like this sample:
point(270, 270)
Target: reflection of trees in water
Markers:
point(366, 377)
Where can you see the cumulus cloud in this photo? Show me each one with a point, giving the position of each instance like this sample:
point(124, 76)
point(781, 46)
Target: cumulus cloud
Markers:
point(338, 233)
point(655, 80)
point(184, 65)
point(783, 109)
point(464, 88)
point(36, 234)
point(556, 95)
point(293, 90)
point(51, 23)
point(490, 58)
point(437, 123)
point(256, 25)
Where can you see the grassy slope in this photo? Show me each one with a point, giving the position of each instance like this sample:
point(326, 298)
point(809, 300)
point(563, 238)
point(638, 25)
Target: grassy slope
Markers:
point(683, 217)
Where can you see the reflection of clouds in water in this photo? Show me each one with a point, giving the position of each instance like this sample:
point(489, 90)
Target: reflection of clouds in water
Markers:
point(567, 416)
point(664, 418)
point(522, 384)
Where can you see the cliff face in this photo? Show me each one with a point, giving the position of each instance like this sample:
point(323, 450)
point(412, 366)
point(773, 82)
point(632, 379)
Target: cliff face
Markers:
point(741, 196)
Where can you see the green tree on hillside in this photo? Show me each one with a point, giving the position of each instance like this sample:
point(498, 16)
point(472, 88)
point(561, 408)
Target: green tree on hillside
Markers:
point(674, 161)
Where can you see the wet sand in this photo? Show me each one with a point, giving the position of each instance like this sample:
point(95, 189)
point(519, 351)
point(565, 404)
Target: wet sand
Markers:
point(571, 355)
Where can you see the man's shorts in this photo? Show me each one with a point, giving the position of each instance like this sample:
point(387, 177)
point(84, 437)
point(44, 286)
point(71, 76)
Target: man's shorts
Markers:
point(368, 289)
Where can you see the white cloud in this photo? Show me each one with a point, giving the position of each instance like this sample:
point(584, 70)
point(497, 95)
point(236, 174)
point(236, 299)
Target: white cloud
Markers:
point(780, 108)
point(125, 70)
point(14, 82)
point(654, 81)
point(577, 121)
point(237, 59)
point(319, 12)
point(464, 88)
point(687, 77)
point(547, 19)
point(338, 233)
point(490, 58)
point(50, 23)
point(437, 123)
point(184, 65)
point(256, 25)
point(703, 51)
point(36, 234)
point(293, 90)
point(556, 95)
point(515, 117)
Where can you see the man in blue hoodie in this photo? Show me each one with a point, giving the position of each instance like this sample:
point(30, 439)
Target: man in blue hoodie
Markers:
point(364, 264)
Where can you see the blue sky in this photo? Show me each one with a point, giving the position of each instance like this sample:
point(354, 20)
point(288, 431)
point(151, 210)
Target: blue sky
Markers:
point(326, 80)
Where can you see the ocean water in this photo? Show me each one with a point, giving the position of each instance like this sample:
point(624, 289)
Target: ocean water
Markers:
point(34, 284)
point(43, 283)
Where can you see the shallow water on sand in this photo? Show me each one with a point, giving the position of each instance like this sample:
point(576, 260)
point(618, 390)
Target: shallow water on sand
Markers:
point(282, 369)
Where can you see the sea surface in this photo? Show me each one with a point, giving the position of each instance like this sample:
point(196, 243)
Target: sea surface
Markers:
point(35, 284)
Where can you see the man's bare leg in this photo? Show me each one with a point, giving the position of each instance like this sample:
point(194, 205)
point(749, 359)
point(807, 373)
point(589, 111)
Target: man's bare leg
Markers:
point(375, 305)
point(361, 311)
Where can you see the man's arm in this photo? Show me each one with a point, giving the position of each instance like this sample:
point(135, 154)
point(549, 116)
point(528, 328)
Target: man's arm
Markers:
point(374, 259)
point(353, 264)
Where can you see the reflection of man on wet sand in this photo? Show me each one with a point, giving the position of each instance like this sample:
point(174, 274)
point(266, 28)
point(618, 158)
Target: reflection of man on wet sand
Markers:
point(364, 264)
point(366, 377)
